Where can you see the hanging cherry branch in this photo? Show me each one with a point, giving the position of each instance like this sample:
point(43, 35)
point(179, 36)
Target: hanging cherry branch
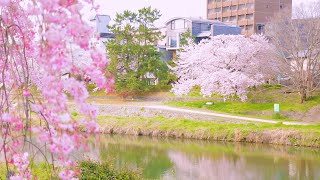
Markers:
point(36, 42)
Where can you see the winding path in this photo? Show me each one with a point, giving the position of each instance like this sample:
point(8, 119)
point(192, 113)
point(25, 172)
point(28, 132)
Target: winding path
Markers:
point(133, 107)
point(163, 107)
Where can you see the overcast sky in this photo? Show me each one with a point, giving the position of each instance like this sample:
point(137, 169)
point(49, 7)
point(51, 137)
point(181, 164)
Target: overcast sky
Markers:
point(168, 8)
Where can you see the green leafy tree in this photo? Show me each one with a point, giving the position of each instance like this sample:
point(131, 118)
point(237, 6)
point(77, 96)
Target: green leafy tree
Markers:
point(185, 37)
point(134, 59)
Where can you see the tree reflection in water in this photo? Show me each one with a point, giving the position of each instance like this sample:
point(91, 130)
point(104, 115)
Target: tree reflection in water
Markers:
point(162, 158)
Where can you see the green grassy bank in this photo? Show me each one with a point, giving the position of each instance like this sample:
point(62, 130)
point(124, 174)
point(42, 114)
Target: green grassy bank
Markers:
point(260, 104)
point(261, 110)
point(220, 131)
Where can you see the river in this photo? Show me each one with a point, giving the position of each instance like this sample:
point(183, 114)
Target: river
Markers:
point(166, 158)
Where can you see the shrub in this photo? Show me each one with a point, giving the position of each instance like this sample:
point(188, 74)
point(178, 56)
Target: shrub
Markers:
point(100, 171)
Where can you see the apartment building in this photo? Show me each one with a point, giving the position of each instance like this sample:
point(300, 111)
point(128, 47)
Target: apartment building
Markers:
point(250, 15)
point(101, 23)
point(199, 29)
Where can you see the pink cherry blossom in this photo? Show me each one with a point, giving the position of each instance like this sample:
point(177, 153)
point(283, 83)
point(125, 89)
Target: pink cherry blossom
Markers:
point(4, 2)
point(26, 93)
point(22, 164)
point(40, 38)
point(67, 175)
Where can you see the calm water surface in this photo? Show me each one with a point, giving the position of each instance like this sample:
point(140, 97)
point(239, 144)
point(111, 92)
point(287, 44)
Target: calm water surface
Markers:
point(162, 158)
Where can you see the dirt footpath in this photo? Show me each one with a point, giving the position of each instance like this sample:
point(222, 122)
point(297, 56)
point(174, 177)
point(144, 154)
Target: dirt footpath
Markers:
point(149, 109)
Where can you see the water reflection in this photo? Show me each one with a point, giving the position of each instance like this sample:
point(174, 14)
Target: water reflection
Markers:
point(159, 158)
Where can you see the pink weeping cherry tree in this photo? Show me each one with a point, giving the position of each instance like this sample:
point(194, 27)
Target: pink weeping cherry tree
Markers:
point(36, 40)
point(226, 65)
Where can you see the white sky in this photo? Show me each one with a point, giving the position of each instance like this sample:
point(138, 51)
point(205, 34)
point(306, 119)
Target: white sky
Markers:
point(168, 8)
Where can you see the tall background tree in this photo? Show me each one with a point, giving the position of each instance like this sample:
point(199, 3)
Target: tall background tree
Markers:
point(297, 46)
point(134, 59)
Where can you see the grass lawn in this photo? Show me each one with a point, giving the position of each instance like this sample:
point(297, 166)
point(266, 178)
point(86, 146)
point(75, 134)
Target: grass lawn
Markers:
point(260, 104)
point(250, 108)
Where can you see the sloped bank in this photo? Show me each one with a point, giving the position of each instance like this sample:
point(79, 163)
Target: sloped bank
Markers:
point(219, 131)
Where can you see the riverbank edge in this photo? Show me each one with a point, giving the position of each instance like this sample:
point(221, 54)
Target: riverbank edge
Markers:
point(276, 134)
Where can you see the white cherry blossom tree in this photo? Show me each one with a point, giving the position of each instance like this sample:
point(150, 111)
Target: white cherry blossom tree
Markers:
point(226, 65)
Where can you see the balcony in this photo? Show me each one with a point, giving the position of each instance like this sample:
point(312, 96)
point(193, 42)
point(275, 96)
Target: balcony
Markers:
point(214, 4)
point(226, 14)
point(218, 5)
point(227, 3)
point(243, 1)
point(234, 2)
point(234, 13)
point(249, 32)
point(243, 22)
point(242, 11)
point(212, 16)
point(218, 15)
point(211, 6)
point(250, 21)
point(250, 11)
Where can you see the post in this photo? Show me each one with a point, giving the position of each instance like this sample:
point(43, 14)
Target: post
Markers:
point(276, 108)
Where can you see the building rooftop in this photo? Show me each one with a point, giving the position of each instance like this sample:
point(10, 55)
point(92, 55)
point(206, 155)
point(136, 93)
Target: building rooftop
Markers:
point(204, 34)
point(93, 18)
point(197, 20)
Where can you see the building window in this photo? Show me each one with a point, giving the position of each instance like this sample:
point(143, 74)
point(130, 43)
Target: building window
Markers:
point(233, 8)
point(172, 41)
point(242, 6)
point(225, 19)
point(225, 9)
point(217, 10)
point(249, 27)
point(242, 28)
point(250, 5)
point(178, 24)
point(249, 16)
point(210, 11)
point(173, 25)
point(233, 18)
point(260, 27)
point(281, 6)
point(241, 17)
point(205, 27)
